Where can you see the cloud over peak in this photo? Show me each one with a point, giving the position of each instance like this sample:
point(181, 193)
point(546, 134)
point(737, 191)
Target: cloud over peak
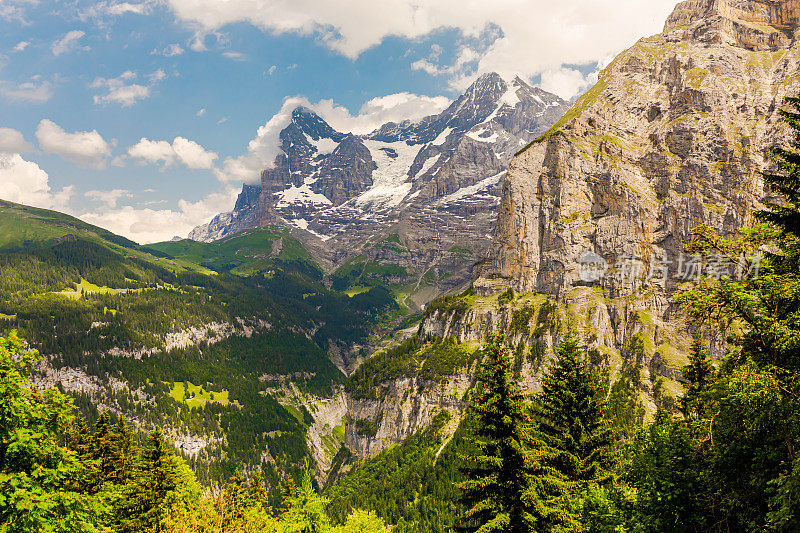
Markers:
point(265, 146)
point(504, 36)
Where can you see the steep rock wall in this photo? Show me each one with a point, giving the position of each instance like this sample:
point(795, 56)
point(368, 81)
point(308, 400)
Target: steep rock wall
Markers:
point(673, 135)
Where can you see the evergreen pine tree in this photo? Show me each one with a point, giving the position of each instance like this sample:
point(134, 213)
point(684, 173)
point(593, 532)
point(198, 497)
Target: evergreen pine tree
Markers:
point(787, 182)
point(104, 446)
point(78, 438)
point(698, 372)
point(234, 501)
point(509, 486)
point(124, 457)
point(161, 482)
point(288, 490)
point(305, 513)
point(571, 412)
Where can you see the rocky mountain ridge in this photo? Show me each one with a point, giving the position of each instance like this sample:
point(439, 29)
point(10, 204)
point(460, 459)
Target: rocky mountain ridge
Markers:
point(673, 135)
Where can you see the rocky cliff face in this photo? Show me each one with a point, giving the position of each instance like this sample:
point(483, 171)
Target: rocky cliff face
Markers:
point(407, 406)
point(673, 135)
point(245, 215)
point(431, 187)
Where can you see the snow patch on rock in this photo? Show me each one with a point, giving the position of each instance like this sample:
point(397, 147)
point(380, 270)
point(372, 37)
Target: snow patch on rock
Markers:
point(390, 180)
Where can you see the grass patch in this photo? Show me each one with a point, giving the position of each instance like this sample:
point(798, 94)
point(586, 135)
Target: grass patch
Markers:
point(86, 287)
point(338, 432)
point(244, 254)
point(695, 77)
point(295, 412)
point(358, 289)
point(195, 396)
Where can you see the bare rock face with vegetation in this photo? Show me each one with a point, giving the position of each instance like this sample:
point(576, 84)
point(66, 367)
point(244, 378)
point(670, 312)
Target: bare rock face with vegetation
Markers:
point(673, 136)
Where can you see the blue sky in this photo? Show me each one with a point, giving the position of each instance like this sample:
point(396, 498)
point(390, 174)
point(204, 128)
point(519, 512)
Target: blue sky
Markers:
point(82, 83)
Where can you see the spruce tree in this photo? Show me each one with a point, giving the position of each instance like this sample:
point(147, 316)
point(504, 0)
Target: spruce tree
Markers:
point(509, 486)
point(124, 458)
point(163, 484)
point(288, 490)
point(571, 411)
point(305, 512)
point(698, 373)
point(786, 182)
point(103, 446)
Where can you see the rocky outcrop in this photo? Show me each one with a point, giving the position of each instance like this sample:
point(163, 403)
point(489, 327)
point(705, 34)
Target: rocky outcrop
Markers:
point(673, 135)
point(752, 24)
point(406, 406)
point(348, 171)
point(325, 436)
point(246, 214)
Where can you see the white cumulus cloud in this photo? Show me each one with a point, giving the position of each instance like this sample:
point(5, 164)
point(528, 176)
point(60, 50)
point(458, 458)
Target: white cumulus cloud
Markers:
point(180, 151)
point(532, 36)
point(149, 225)
point(122, 8)
point(122, 91)
point(566, 82)
point(109, 198)
point(86, 148)
point(24, 182)
point(68, 43)
point(119, 91)
point(35, 92)
point(12, 141)
point(169, 50)
point(15, 10)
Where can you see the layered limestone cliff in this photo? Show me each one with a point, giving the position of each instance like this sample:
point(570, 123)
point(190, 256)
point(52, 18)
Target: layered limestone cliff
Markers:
point(673, 135)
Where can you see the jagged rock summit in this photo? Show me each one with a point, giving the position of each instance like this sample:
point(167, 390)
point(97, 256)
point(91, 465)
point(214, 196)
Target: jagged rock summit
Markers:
point(431, 186)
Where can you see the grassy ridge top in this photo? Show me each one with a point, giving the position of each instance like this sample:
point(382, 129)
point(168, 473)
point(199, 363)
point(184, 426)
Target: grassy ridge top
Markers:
point(244, 253)
point(23, 227)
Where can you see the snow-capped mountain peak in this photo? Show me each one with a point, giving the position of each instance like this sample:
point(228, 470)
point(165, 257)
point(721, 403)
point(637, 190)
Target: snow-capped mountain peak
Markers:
point(436, 176)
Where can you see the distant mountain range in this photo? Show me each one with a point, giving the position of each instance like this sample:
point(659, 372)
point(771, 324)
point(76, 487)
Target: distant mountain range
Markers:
point(431, 186)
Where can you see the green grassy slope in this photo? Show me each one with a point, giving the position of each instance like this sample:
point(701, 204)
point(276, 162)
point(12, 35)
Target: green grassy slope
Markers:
point(27, 228)
point(244, 253)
